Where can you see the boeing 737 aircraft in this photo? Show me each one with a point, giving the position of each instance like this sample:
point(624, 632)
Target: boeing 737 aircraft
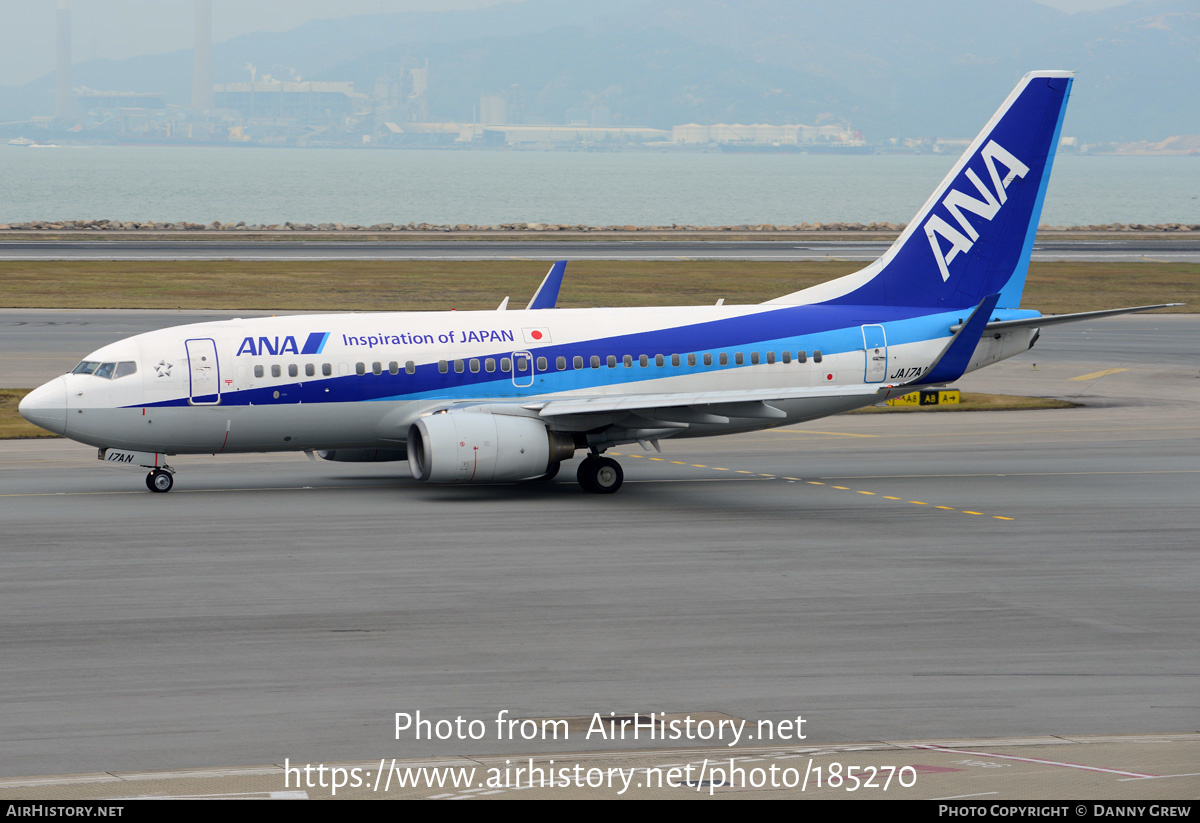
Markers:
point(480, 397)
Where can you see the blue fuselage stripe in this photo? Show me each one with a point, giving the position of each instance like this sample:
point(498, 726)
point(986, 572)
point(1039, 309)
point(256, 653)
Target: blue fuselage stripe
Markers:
point(828, 329)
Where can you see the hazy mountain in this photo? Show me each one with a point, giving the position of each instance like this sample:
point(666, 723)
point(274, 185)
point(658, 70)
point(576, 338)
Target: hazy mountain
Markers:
point(926, 67)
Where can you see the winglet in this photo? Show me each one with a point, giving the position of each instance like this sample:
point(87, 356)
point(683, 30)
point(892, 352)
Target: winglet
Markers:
point(546, 296)
point(952, 363)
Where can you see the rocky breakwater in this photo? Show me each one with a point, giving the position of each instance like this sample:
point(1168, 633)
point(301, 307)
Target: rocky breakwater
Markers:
point(135, 226)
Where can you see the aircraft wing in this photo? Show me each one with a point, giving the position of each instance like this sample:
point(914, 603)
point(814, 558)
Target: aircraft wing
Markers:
point(546, 297)
point(744, 404)
point(615, 419)
point(952, 363)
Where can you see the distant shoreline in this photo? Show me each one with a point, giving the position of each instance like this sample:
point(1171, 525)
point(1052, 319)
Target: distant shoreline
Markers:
point(146, 230)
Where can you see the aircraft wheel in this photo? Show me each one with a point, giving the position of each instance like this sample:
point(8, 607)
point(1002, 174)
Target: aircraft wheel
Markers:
point(600, 475)
point(584, 473)
point(159, 481)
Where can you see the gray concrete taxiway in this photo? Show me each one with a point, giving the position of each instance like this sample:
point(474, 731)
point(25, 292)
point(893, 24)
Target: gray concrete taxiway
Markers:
point(905, 576)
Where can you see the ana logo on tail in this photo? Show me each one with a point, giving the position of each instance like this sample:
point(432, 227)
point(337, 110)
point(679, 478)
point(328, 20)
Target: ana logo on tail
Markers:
point(956, 202)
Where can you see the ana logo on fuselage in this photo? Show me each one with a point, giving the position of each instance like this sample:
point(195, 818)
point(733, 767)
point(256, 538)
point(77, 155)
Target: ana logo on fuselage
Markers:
point(956, 202)
point(268, 345)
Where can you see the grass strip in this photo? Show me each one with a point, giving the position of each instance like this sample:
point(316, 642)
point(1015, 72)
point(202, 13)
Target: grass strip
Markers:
point(420, 285)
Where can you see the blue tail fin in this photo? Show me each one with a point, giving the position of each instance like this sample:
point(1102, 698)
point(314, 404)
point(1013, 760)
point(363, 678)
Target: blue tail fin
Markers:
point(973, 237)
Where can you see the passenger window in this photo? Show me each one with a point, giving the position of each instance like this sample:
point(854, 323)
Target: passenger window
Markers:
point(360, 368)
point(275, 372)
point(801, 357)
point(787, 357)
point(723, 358)
point(474, 366)
point(393, 367)
point(643, 361)
point(674, 360)
point(489, 365)
point(691, 359)
point(708, 359)
point(817, 356)
point(443, 366)
point(770, 358)
point(376, 368)
point(459, 366)
point(612, 361)
point(326, 369)
point(293, 370)
point(627, 360)
point(505, 365)
point(659, 360)
point(310, 370)
point(595, 361)
point(522, 364)
point(125, 367)
point(258, 371)
point(754, 361)
point(541, 364)
point(560, 363)
point(410, 367)
point(739, 359)
point(577, 362)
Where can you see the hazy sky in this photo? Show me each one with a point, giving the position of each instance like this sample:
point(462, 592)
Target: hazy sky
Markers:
point(116, 29)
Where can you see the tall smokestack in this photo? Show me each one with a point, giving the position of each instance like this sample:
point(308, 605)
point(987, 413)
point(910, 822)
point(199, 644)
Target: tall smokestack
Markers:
point(64, 105)
point(202, 87)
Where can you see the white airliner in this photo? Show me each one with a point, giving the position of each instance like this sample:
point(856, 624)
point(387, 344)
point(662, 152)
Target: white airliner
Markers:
point(480, 397)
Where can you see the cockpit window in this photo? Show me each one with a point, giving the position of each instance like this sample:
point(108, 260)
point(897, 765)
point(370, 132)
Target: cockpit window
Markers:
point(106, 371)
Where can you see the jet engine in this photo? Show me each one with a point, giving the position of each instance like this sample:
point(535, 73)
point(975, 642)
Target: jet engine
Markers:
point(480, 447)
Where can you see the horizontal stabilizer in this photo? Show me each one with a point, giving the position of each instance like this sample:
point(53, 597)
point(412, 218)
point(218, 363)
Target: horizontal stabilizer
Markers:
point(1054, 319)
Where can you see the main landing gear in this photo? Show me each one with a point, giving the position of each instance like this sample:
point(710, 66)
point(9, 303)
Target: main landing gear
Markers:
point(160, 481)
point(600, 475)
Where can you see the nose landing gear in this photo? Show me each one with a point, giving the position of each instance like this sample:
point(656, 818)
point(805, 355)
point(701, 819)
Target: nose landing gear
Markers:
point(160, 481)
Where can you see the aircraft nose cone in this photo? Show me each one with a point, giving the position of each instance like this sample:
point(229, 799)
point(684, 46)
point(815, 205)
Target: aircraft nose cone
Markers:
point(46, 406)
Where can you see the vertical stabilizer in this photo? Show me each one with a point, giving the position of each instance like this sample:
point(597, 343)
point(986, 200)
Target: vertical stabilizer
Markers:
point(974, 235)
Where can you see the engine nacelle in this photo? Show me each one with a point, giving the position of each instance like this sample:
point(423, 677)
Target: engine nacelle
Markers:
point(363, 455)
point(479, 447)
